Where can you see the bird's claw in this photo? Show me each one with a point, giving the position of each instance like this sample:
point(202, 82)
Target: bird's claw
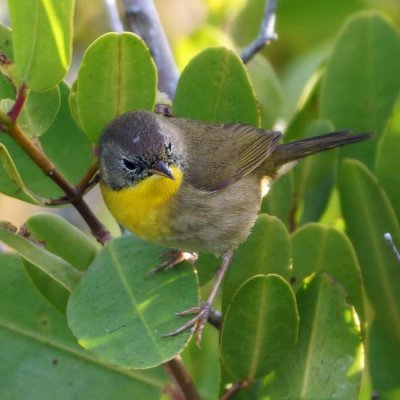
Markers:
point(196, 324)
point(171, 260)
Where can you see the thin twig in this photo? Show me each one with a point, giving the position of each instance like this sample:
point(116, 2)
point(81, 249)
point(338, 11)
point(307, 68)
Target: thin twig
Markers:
point(182, 378)
point(113, 16)
point(143, 19)
point(235, 388)
point(266, 35)
point(40, 159)
point(389, 240)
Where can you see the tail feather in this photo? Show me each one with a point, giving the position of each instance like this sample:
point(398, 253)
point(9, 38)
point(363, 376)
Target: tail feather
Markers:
point(292, 151)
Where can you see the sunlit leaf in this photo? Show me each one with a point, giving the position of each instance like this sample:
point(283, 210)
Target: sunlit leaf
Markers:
point(368, 216)
point(326, 362)
point(39, 111)
point(40, 359)
point(120, 316)
point(42, 37)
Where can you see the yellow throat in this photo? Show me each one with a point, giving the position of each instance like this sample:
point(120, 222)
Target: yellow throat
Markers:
point(143, 208)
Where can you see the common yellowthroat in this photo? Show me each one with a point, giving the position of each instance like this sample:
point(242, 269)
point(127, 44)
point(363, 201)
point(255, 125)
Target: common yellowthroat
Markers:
point(192, 185)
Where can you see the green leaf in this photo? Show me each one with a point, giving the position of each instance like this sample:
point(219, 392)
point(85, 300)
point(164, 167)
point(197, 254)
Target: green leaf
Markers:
point(41, 22)
point(361, 82)
point(64, 139)
point(264, 316)
point(11, 182)
point(7, 90)
point(50, 264)
point(369, 215)
point(279, 200)
point(315, 177)
point(383, 359)
point(302, 194)
point(327, 360)
point(267, 250)
point(117, 75)
point(59, 142)
point(268, 90)
point(299, 79)
point(61, 238)
point(319, 248)
point(40, 359)
point(120, 316)
point(388, 161)
point(39, 111)
point(215, 87)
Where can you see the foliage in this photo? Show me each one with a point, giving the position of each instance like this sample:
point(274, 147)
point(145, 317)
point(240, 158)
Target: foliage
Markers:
point(313, 290)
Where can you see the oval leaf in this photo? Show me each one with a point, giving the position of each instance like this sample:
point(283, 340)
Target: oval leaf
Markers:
point(215, 87)
point(120, 316)
point(263, 315)
point(58, 236)
point(368, 217)
point(267, 250)
point(11, 182)
point(37, 23)
point(39, 111)
point(54, 266)
point(361, 94)
point(268, 90)
point(117, 74)
point(320, 248)
point(61, 238)
point(327, 361)
point(35, 337)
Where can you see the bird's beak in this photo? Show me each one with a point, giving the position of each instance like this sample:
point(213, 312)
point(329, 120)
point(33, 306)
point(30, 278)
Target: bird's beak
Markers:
point(160, 168)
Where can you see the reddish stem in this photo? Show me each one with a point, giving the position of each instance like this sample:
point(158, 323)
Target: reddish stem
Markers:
point(19, 102)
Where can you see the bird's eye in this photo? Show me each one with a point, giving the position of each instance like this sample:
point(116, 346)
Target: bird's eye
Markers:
point(130, 165)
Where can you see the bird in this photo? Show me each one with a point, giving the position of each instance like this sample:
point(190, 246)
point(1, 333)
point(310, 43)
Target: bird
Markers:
point(195, 186)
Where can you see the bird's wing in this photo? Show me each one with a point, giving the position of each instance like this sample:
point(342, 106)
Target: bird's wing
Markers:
point(219, 155)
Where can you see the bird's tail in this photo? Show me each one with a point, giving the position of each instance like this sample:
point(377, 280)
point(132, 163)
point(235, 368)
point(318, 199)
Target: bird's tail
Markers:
point(292, 151)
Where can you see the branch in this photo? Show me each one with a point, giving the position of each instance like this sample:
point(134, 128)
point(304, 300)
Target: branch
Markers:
point(113, 16)
point(389, 240)
point(182, 378)
point(235, 388)
point(266, 35)
point(142, 18)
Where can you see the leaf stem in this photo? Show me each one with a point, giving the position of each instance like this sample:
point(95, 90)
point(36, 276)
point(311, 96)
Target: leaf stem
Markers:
point(19, 102)
point(182, 378)
point(266, 35)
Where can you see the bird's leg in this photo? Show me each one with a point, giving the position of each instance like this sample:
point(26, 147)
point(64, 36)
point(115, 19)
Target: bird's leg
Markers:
point(197, 323)
point(171, 260)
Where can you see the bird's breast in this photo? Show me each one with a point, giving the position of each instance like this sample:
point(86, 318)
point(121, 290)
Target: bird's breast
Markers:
point(143, 208)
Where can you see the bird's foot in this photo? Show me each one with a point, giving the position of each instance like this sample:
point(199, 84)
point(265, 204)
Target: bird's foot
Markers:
point(196, 324)
point(171, 260)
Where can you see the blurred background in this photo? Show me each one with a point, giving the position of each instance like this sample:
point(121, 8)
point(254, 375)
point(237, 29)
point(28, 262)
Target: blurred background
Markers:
point(306, 30)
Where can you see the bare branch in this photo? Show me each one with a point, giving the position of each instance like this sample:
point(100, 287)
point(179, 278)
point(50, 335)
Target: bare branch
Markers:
point(182, 378)
point(113, 16)
point(389, 240)
point(266, 35)
point(142, 17)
